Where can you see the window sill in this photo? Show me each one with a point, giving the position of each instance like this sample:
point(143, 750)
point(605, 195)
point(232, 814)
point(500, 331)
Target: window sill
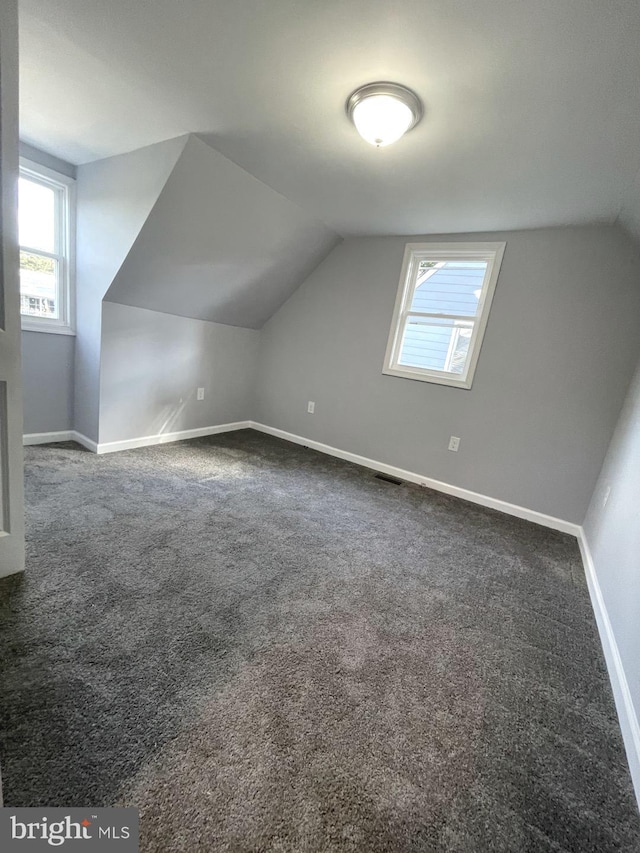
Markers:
point(423, 376)
point(48, 330)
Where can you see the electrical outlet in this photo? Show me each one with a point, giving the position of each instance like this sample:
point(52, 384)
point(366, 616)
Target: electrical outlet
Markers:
point(454, 443)
point(200, 393)
point(605, 497)
point(311, 407)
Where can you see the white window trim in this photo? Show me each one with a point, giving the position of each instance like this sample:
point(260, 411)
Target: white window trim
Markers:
point(413, 254)
point(65, 324)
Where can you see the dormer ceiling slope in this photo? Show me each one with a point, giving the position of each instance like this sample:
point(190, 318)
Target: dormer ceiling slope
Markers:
point(219, 245)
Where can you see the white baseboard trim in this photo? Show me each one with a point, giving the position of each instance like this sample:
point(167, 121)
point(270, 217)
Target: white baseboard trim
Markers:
point(627, 714)
point(130, 443)
point(410, 476)
point(48, 437)
point(56, 437)
point(166, 437)
point(422, 480)
point(85, 442)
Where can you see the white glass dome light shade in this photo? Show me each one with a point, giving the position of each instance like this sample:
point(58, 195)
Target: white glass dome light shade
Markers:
point(383, 112)
point(382, 119)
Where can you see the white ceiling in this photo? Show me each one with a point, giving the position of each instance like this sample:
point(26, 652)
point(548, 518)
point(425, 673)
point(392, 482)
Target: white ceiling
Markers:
point(532, 108)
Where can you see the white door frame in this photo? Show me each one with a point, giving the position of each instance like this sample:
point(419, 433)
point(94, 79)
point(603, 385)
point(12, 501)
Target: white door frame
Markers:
point(11, 459)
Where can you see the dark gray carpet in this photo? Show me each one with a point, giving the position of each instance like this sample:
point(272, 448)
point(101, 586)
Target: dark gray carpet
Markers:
point(266, 649)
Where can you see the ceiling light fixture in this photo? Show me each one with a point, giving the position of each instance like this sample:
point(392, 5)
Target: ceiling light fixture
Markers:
point(383, 112)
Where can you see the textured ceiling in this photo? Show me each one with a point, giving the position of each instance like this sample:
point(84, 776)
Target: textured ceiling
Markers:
point(532, 109)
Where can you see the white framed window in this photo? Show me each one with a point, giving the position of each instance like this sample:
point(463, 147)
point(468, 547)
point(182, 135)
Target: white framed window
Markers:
point(441, 311)
point(46, 217)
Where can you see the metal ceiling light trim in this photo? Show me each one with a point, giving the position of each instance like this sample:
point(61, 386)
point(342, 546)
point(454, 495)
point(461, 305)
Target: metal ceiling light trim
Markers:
point(393, 90)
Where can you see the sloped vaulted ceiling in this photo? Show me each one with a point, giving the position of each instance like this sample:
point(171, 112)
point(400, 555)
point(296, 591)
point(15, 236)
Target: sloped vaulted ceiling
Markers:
point(219, 245)
point(532, 109)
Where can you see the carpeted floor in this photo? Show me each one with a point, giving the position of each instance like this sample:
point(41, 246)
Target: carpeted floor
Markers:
point(266, 649)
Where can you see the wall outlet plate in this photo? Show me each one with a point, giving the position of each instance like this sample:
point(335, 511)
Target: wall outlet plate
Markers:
point(311, 407)
point(200, 393)
point(454, 443)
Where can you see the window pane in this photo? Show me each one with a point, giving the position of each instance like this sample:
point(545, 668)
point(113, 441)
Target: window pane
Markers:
point(449, 287)
point(39, 286)
point(436, 344)
point(36, 213)
point(459, 350)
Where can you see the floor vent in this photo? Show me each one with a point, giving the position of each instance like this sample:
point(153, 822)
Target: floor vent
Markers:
point(388, 479)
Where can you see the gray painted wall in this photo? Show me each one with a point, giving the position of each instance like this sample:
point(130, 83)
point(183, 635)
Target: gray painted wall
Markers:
point(46, 159)
point(557, 358)
point(47, 359)
point(47, 380)
point(613, 534)
point(629, 216)
point(114, 198)
point(152, 364)
point(220, 245)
